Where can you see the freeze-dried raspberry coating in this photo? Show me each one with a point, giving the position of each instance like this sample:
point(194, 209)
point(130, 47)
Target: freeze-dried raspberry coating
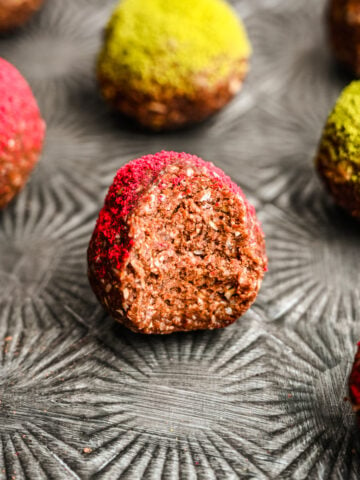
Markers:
point(176, 246)
point(21, 131)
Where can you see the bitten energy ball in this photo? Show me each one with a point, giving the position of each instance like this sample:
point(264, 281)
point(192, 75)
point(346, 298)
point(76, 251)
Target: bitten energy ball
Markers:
point(338, 159)
point(21, 132)
point(172, 63)
point(14, 13)
point(344, 32)
point(354, 382)
point(176, 246)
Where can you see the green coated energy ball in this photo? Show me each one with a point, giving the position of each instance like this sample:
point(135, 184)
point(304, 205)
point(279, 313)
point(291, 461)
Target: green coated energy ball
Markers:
point(171, 63)
point(338, 159)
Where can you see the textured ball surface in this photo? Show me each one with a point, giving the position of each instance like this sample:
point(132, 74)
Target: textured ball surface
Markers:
point(14, 13)
point(344, 32)
point(176, 246)
point(169, 60)
point(21, 131)
point(338, 159)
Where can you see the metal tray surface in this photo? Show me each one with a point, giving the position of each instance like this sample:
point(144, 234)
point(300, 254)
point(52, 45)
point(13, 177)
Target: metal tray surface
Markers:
point(82, 397)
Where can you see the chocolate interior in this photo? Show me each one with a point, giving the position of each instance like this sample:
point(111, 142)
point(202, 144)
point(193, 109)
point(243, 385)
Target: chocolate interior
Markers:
point(189, 267)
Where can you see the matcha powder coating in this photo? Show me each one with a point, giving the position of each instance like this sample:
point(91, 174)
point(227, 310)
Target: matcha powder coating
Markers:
point(338, 160)
point(171, 44)
point(344, 125)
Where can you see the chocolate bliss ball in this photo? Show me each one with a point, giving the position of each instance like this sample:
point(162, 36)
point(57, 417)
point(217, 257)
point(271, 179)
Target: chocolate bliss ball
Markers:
point(22, 132)
point(344, 32)
point(168, 64)
point(176, 246)
point(14, 13)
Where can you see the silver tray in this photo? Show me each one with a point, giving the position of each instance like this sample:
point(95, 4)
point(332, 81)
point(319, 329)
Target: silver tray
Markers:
point(81, 397)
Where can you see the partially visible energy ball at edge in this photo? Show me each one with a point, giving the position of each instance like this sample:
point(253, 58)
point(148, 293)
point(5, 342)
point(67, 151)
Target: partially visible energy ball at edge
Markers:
point(344, 32)
point(338, 157)
point(176, 246)
point(14, 13)
point(172, 64)
point(354, 384)
point(21, 132)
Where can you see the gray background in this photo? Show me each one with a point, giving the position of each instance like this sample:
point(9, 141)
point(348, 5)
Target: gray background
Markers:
point(260, 399)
